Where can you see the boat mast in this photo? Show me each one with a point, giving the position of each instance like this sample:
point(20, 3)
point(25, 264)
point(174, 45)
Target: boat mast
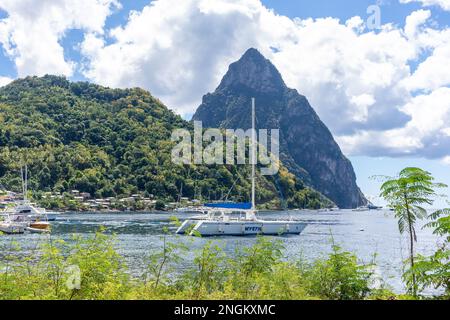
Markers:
point(24, 178)
point(253, 153)
point(25, 196)
point(23, 184)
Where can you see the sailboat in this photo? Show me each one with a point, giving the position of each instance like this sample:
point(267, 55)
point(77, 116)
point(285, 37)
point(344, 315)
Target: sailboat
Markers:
point(28, 215)
point(239, 219)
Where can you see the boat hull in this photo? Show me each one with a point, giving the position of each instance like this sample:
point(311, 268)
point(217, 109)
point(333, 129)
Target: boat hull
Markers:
point(40, 225)
point(12, 228)
point(186, 226)
point(243, 228)
point(37, 230)
point(35, 217)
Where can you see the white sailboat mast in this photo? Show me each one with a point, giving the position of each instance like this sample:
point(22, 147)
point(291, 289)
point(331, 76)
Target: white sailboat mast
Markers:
point(24, 178)
point(253, 153)
point(23, 182)
point(26, 183)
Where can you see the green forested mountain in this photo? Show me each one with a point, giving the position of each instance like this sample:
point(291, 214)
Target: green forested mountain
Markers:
point(112, 143)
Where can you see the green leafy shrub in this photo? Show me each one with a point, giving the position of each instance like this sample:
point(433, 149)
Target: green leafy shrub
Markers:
point(339, 277)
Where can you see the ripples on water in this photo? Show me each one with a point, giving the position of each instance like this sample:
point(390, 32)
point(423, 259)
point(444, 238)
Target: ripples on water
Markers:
point(364, 233)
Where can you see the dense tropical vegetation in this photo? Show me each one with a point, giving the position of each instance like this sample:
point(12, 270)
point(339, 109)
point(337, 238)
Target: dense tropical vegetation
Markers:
point(92, 269)
point(113, 143)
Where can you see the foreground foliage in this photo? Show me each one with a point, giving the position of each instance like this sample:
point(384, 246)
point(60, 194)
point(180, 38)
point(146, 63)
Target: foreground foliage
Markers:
point(90, 268)
point(406, 195)
point(434, 271)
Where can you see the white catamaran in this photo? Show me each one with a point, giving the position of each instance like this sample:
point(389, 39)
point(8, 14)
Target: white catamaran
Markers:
point(239, 219)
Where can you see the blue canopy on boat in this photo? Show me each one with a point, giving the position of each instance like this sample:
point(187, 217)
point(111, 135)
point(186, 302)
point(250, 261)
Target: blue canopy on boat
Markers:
point(230, 205)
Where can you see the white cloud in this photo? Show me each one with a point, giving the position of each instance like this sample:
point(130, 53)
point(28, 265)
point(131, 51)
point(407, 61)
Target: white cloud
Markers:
point(362, 102)
point(444, 4)
point(446, 131)
point(165, 48)
point(446, 160)
point(31, 32)
point(359, 81)
point(338, 68)
point(414, 21)
point(179, 52)
point(433, 73)
point(4, 81)
point(426, 135)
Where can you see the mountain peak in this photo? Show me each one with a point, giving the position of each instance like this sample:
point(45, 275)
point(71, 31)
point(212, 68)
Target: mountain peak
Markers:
point(307, 147)
point(253, 53)
point(254, 72)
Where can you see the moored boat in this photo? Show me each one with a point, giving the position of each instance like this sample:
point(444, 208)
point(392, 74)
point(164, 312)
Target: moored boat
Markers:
point(189, 210)
point(32, 212)
point(24, 215)
point(37, 230)
point(9, 226)
point(238, 219)
point(41, 225)
point(25, 208)
point(361, 209)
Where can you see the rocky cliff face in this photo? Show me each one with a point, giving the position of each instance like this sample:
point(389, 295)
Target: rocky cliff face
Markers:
point(307, 147)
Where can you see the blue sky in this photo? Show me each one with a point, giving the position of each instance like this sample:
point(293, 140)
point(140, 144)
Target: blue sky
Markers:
point(340, 9)
point(389, 86)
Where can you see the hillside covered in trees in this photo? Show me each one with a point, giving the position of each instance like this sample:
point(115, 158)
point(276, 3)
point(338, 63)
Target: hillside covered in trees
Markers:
point(113, 143)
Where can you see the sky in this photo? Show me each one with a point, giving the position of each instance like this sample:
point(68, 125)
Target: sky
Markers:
point(376, 72)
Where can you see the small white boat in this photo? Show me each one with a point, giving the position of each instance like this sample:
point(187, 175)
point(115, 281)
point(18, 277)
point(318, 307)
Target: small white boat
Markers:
point(368, 207)
point(37, 230)
point(30, 210)
point(25, 216)
point(20, 224)
point(361, 209)
point(40, 225)
point(189, 210)
point(9, 226)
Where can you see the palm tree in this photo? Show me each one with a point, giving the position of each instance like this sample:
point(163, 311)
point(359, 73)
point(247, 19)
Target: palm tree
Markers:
point(406, 194)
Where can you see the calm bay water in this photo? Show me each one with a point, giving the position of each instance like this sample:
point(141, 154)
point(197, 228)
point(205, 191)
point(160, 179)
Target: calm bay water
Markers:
point(364, 233)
